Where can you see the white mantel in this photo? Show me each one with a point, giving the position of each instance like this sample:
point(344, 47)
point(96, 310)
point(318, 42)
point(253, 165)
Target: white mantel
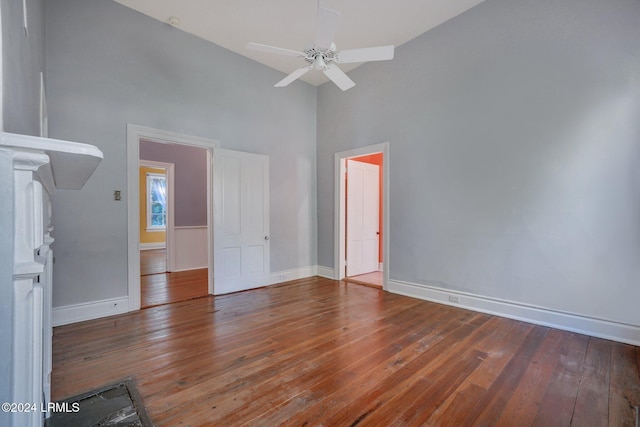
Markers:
point(70, 163)
point(39, 166)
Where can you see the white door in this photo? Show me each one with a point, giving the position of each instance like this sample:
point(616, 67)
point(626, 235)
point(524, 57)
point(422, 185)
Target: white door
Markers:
point(363, 193)
point(241, 221)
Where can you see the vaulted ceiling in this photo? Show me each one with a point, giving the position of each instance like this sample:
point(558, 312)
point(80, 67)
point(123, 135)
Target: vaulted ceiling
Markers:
point(291, 24)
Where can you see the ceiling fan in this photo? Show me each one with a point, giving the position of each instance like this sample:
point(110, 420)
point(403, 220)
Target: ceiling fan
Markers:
point(323, 55)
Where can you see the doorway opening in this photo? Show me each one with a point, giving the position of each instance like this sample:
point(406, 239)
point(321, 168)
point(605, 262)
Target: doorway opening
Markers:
point(361, 215)
point(156, 212)
point(173, 222)
point(187, 252)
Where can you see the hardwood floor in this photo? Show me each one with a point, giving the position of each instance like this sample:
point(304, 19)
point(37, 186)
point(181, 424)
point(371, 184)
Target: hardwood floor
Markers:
point(166, 288)
point(373, 279)
point(153, 261)
point(159, 287)
point(320, 352)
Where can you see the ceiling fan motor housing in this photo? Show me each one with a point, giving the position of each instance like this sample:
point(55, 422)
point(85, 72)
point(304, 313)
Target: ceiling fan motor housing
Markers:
point(319, 58)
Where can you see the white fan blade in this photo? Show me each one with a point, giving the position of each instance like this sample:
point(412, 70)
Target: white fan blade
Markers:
point(380, 53)
point(326, 27)
point(339, 77)
point(273, 49)
point(293, 76)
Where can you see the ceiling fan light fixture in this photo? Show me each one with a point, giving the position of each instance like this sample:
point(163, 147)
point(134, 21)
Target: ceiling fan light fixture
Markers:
point(323, 55)
point(319, 63)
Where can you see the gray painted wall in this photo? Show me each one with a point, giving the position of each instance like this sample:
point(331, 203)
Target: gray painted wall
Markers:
point(108, 66)
point(190, 179)
point(23, 60)
point(514, 152)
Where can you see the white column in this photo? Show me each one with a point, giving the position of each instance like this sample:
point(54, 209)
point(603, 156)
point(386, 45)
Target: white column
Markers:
point(28, 292)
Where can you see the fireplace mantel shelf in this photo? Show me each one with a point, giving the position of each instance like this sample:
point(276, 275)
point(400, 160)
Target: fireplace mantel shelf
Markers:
point(70, 163)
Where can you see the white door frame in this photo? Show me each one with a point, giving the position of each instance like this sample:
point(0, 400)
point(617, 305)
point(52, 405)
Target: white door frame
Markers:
point(340, 160)
point(170, 228)
point(134, 134)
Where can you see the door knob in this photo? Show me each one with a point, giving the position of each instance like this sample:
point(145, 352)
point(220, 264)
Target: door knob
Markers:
point(266, 237)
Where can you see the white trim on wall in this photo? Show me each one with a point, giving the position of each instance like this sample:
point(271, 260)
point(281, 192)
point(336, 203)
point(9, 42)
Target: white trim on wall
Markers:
point(134, 134)
point(340, 215)
point(89, 310)
point(326, 272)
point(191, 248)
point(601, 328)
point(293, 274)
point(151, 246)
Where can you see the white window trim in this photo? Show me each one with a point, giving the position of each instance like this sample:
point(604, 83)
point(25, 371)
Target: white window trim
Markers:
point(154, 228)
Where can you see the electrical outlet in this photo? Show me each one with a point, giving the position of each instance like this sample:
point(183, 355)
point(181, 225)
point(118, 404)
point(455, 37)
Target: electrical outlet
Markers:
point(454, 298)
point(117, 195)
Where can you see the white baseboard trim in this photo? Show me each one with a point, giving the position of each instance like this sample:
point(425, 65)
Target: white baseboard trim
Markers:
point(326, 272)
point(188, 269)
point(88, 311)
point(601, 328)
point(149, 246)
point(293, 274)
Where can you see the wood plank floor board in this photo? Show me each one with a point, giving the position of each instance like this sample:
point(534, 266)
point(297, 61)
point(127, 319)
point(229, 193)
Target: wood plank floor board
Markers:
point(157, 286)
point(165, 288)
point(624, 392)
point(373, 279)
point(592, 405)
point(453, 411)
point(488, 409)
point(153, 261)
point(533, 383)
point(558, 403)
point(498, 347)
point(322, 352)
point(418, 402)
